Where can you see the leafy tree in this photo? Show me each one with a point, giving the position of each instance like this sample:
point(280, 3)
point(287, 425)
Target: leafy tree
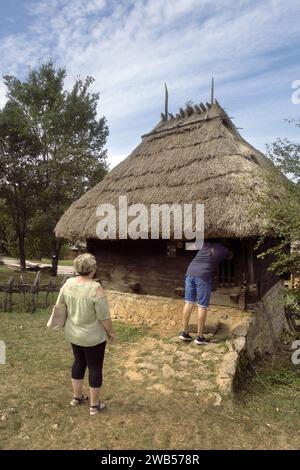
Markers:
point(284, 214)
point(17, 173)
point(8, 245)
point(51, 150)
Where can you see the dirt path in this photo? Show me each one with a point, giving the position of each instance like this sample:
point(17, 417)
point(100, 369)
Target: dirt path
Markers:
point(13, 262)
point(162, 366)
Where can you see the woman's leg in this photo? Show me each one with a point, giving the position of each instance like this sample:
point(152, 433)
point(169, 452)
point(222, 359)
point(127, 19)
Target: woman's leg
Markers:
point(94, 358)
point(78, 370)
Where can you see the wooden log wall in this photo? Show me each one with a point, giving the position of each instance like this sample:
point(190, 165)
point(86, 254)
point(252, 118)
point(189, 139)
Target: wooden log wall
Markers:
point(153, 267)
point(264, 278)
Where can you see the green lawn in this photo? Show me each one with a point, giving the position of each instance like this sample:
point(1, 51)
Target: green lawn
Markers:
point(35, 394)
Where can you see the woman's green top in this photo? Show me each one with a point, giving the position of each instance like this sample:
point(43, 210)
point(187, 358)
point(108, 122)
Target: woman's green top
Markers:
point(84, 310)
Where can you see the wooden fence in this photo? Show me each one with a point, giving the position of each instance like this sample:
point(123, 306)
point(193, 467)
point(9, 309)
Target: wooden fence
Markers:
point(27, 293)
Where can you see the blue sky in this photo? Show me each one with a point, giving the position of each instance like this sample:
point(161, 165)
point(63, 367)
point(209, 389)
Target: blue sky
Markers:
point(252, 48)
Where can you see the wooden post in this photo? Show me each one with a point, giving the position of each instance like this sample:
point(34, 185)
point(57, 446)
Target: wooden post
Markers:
point(250, 261)
point(50, 289)
point(2, 289)
point(22, 288)
point(230, 283)
point(10, 285)
point(217, 277)
point(166, 101)
point(212, 91)
point(35, 289)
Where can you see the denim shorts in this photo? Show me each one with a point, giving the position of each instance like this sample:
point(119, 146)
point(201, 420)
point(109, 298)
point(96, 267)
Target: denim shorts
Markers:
point(197, 291)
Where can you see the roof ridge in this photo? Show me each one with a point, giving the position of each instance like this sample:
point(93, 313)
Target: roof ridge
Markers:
point(157, 130)
point(189, 110)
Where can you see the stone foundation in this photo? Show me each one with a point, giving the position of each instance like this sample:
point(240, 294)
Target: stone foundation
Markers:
point(162, 312)
point(245, 335)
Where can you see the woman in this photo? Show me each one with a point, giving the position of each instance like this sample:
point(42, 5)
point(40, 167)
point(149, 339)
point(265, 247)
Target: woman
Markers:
point(87, 328)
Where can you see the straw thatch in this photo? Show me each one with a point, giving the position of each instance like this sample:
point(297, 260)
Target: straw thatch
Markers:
point(196, 157)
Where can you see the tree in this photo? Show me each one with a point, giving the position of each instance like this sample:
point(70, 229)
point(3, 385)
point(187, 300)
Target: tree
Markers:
point(17, 161)
point(284, 214)
point(51, 150)
point(8, 244)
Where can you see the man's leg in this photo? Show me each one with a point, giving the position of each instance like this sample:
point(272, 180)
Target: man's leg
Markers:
point(203, 298)
point(202, 312)
point(186, 315)
point(190, 298)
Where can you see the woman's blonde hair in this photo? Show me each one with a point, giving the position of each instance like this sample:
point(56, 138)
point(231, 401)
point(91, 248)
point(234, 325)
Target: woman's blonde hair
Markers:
point(85, 264)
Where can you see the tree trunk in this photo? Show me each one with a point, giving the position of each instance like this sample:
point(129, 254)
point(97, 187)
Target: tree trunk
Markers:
point(19, 219)
point(56, 248)
point(21, 245)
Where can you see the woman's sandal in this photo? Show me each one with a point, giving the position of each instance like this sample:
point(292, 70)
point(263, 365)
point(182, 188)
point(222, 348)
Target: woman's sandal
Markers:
point(78, 401)
point(94, 410)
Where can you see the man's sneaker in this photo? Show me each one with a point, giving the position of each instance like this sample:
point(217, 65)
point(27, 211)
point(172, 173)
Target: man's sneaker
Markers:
point(201, 340)
point(185, 336)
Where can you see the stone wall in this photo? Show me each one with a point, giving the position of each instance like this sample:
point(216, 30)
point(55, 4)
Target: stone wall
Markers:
point(261, 325)
point(267, 323)
point(162, 311)
point(144, 309)
point(255, 335)
point(247, 334)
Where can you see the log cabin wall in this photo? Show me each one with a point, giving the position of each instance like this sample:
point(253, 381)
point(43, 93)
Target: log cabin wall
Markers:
point(263, 278)
point(156, 267)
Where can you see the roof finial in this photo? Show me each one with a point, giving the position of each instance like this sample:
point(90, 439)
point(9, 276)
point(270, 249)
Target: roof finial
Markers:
point(166, 100)
point(212, 96)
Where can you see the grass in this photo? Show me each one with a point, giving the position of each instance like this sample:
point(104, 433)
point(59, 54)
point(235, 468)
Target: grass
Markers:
point(278, 380)
point(35, 394)
point(130, 333)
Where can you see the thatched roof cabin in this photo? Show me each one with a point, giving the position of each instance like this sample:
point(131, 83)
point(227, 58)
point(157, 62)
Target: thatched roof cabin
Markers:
point(197, 156)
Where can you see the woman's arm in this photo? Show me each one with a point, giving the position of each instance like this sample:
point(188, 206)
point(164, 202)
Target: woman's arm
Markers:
point(108, 326)
point(60, 298)
point(103, 314)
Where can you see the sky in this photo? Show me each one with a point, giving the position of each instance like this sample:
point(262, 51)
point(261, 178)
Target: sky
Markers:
point(251, 48)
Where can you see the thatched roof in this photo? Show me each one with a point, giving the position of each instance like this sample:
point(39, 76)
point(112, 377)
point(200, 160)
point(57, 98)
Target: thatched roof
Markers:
point(198, 156)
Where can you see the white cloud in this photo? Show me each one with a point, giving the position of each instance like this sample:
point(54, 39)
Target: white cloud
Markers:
point(131, 47)
point(2, 94)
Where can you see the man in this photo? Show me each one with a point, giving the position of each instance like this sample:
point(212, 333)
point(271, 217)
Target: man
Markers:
point(198, 286)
